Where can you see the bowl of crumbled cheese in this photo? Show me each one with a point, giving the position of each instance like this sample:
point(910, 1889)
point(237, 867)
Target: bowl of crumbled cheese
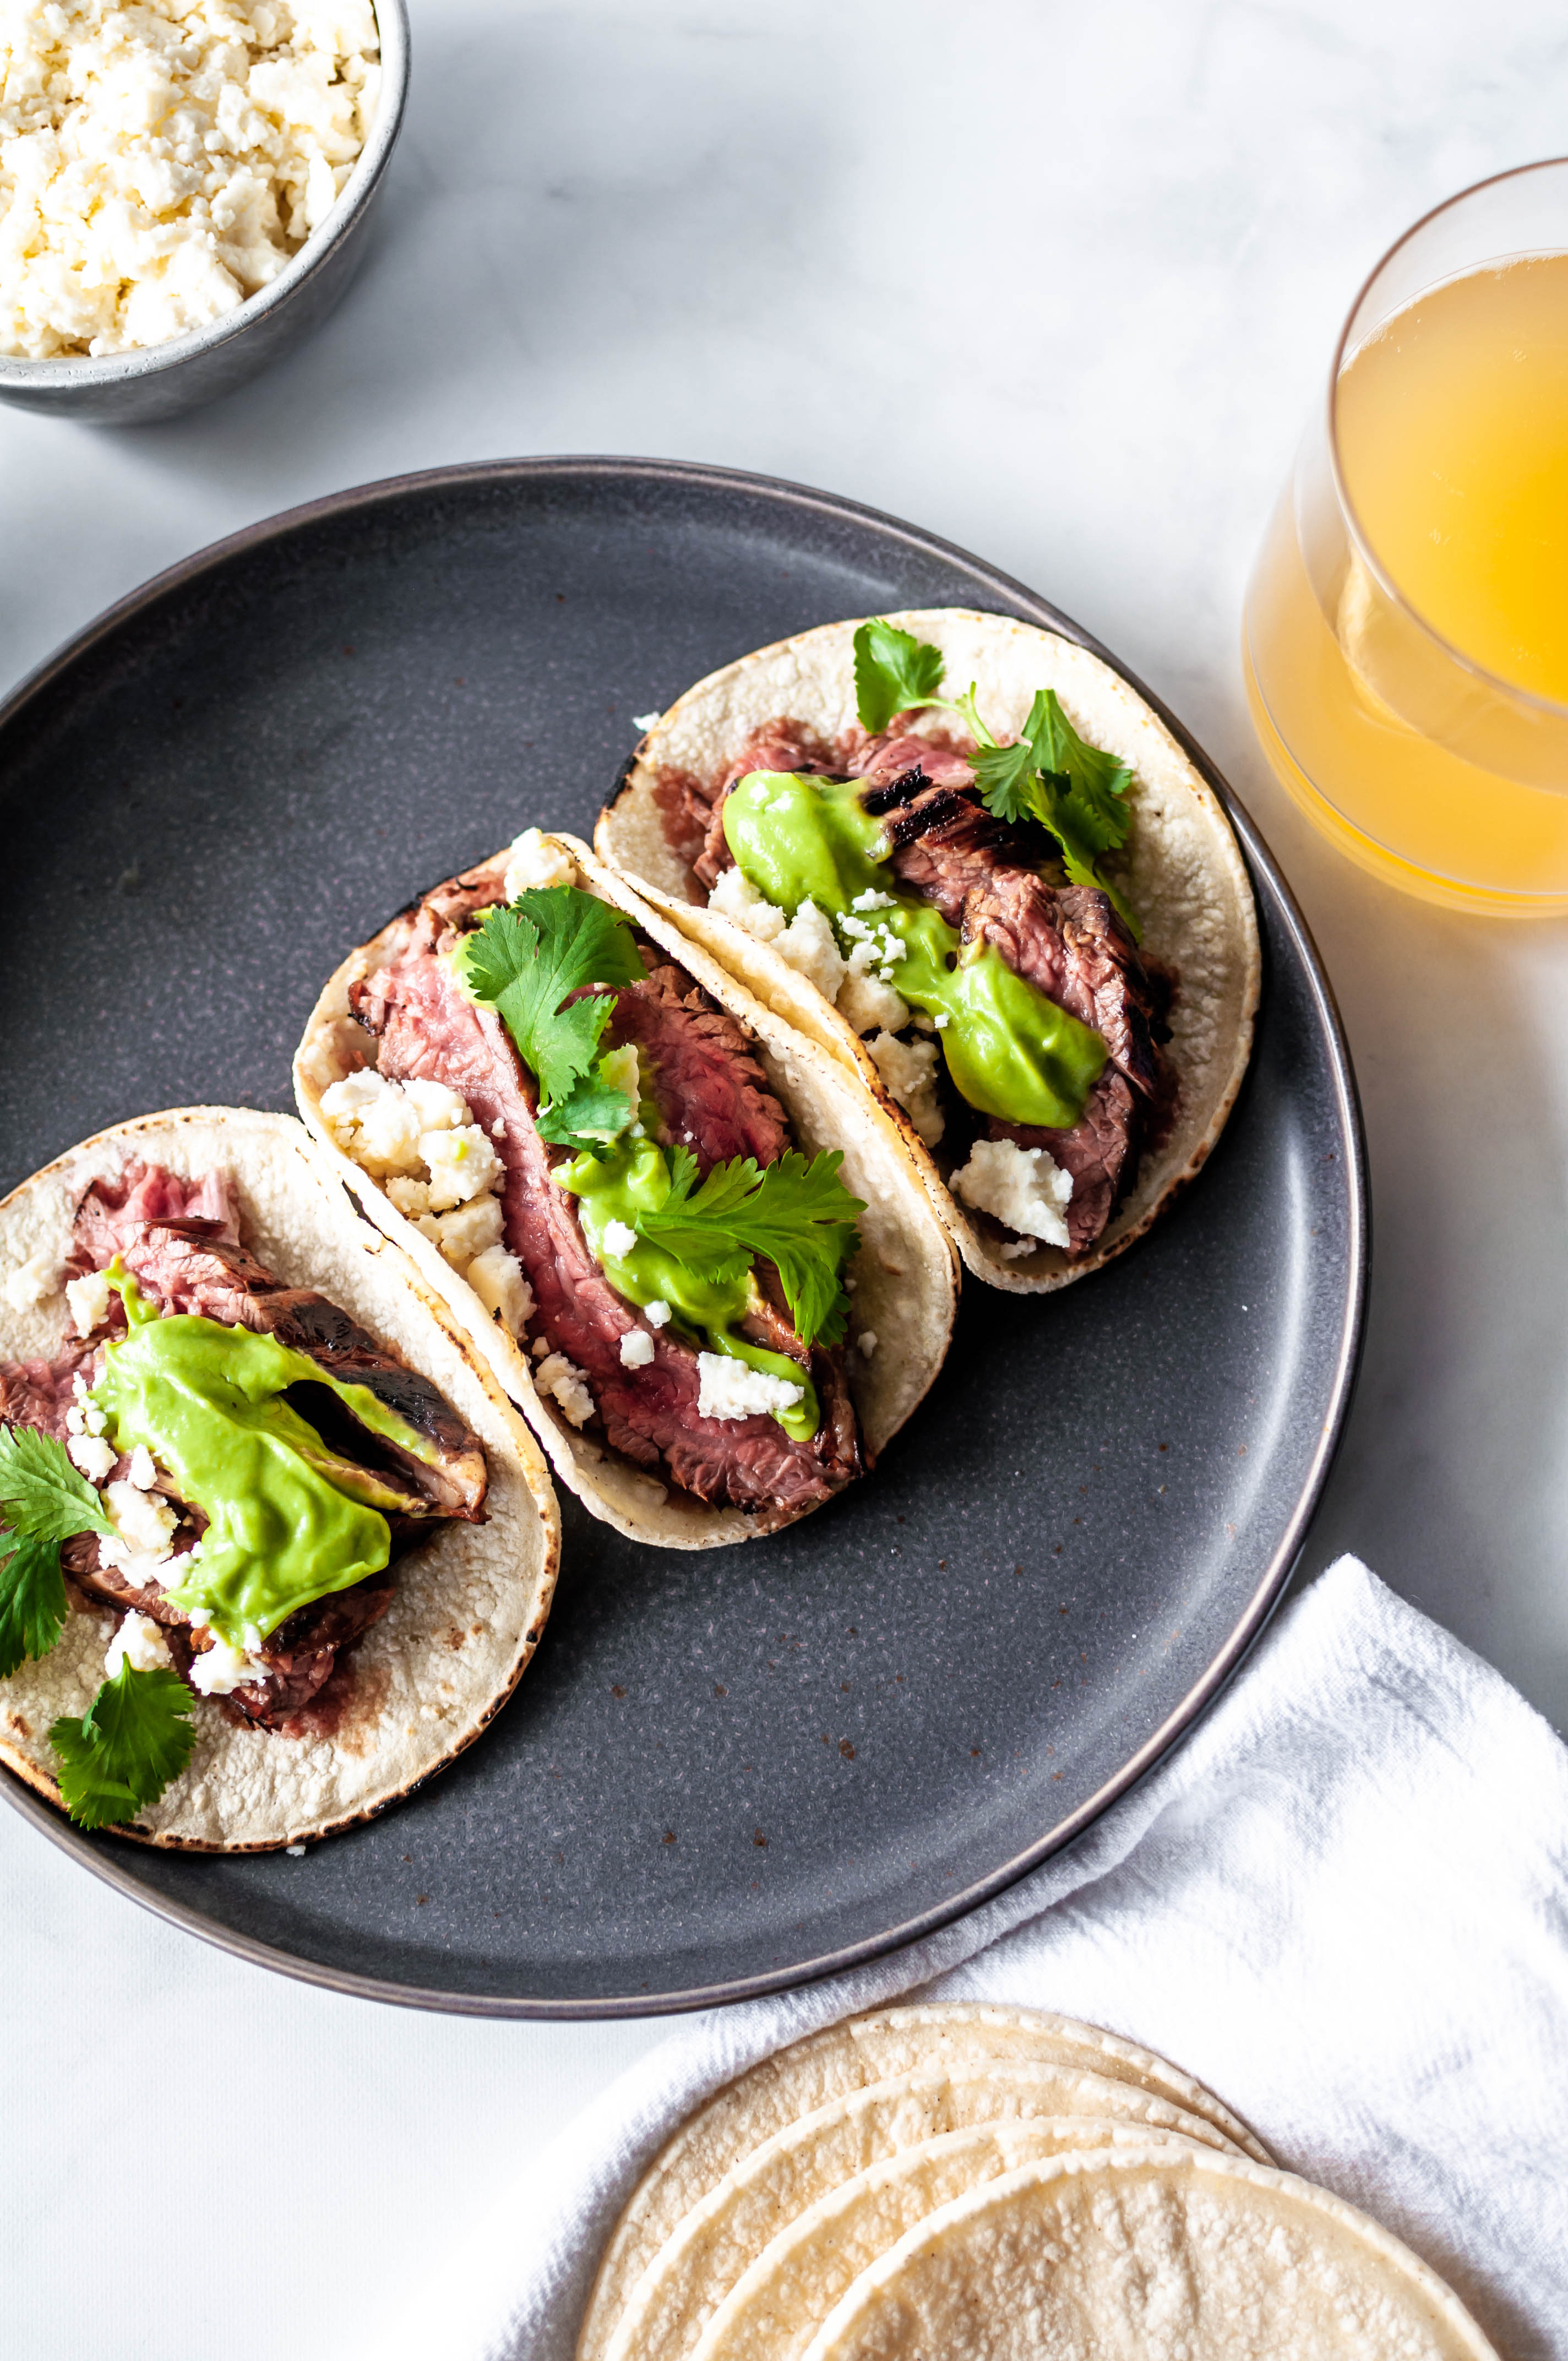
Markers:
point(184, 187)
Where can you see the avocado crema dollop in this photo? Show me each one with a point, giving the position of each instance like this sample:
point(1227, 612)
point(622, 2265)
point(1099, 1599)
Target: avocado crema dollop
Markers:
point(632, 1177)
point(1009, 1050)
point(289, 1520)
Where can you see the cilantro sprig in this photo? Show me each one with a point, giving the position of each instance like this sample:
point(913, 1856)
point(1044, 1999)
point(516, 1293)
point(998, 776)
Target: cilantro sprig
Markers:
point(43, 1501)
point(524, 961)
point(798, 1216)
point(1077, 792)
point(135, 1737)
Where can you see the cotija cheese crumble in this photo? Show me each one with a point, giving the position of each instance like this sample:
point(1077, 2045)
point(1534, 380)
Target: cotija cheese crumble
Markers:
point(159, 162)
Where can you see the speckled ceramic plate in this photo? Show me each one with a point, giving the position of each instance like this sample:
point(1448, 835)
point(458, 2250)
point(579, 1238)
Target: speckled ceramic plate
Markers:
point(723, 1773)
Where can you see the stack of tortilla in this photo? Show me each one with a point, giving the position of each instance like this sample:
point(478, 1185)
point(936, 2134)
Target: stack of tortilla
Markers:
point(994, 2184)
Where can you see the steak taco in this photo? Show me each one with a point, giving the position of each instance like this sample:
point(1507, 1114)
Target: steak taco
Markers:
point(692, 1247)
point(274, 1545)
point(961, 855)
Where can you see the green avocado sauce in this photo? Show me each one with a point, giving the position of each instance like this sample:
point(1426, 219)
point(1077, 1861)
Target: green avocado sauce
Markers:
point(632, 1178)
point(288, 1519)
point(1009, 1050)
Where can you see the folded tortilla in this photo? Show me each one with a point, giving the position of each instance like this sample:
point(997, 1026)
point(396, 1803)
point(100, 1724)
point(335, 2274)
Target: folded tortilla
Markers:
point(468, 1605)
point(1184, 875)
point(905, 1275)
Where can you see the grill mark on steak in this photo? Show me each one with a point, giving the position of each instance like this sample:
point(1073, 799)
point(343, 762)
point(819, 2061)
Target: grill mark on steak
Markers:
point(427, 1030)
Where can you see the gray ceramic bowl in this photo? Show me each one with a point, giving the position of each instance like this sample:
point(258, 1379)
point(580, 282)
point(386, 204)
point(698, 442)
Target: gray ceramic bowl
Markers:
point(158, 380)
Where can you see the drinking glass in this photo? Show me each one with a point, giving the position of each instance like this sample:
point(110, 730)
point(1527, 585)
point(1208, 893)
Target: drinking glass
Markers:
point(1405, 628)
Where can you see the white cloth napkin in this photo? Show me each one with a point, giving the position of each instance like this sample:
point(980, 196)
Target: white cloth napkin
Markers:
point(1342, 1903)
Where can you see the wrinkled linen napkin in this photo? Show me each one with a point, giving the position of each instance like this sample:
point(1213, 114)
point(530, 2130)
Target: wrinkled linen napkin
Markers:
point(1342, 1903)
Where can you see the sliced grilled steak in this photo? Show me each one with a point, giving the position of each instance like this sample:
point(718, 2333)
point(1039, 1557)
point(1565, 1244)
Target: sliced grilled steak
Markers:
point(1101, 1151)
point(778, 745)
point(39, 1393)
point(709, 1087)
point(427, 1030)
point(303, 1652)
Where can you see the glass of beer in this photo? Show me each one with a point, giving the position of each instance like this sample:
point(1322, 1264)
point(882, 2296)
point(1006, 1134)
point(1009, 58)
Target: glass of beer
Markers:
point(1405, 632)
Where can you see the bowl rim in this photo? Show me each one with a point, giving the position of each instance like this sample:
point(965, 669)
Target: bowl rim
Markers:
point(64, 371)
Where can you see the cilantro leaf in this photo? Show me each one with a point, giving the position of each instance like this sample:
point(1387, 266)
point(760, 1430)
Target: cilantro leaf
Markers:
point(1094, 805)
point(524, 961)
point(798, 1216)
point(42, 1496)
point(132, 1739)
point(592, 1107)
point(32, 1599)
point(1007, 775)
point(1076, 791)
point(894, 672)
point(43, 1500)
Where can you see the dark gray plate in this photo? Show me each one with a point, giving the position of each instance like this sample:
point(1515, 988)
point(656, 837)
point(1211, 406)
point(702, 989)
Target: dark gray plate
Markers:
point(731, 1772)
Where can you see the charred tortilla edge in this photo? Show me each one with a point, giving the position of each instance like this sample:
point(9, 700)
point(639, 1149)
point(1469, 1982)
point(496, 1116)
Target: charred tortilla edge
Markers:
point(469, 1606)
point(1187, 879)
point(907, 1270)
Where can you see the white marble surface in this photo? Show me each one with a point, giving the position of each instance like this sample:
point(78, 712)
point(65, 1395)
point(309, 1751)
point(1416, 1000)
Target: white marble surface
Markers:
point(1057, 282)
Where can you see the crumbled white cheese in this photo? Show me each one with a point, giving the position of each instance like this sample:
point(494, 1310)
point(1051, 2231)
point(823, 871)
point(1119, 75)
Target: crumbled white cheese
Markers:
point(561, 1378)
point(646, 720)
point(462, 1164)
point(74, 1423)
point(383, 1125)
point(159, 162)
point(872, 900)
point(618, 1238)
point(636, 1349)
point(142, 1469)
point(868, 1005)
point(908, 1070)
point(33, 1281)
point(222, 1668)
point(735, 897)
point(139, 1643)
point(499, 1128)
point(94, 1420)
point(733, 1389)
point(1021, 1187)
point(807, 943)
point(867, 1341)
point(496, 1278)
point(465, 1232)
point(88, 1299)
point(873, 946)
point(657, 1313)
point(92, 1456)
point(411, 1197)
point(532, 861)
point(146, 1521)
point(439, 1107)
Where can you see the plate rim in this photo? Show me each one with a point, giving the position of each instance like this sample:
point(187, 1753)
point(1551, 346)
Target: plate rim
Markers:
point(103, 1855)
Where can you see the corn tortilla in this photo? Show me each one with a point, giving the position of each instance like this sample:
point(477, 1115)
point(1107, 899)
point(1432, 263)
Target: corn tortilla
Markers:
point(468, 1607)
point(1184, 875)
point(905, 1273)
